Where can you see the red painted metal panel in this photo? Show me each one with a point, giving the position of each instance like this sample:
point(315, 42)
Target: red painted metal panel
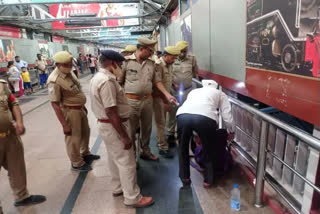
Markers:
point(296, 95)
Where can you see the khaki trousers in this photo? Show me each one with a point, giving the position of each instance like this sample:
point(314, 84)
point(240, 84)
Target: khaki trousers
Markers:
point(141, 116)
point(78, 143)
point(160, 119)
point(122, 164)
point(171, 115)
point(12, 159)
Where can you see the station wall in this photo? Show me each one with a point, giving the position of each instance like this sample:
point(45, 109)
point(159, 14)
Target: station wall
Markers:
point(27, 49)
point(219, 41)
point(218, 35)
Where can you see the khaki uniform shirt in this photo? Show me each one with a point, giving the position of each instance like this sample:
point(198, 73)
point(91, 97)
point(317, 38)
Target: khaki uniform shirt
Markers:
point(138, 78)
point(41, 64)
point(184, 70)
point(65, 88)
point(106, 92)
point(164, 71)
point(6, 118)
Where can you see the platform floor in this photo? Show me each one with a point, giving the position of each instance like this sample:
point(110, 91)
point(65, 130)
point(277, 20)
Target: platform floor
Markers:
point(48, 171)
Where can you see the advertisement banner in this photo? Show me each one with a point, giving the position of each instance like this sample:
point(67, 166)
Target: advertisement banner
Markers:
point(101, 10)
point(58, 39)
point(7, 31)
point(44, 49)
point(7, 50)
point(284, 37)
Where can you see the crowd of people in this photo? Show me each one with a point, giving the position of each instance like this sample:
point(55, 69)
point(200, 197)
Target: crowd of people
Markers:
point(128, 91)
point(20, 81)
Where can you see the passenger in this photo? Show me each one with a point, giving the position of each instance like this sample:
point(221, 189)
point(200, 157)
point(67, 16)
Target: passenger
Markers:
point(139, 77)
point(68, 102)
point(199, 114)
point(42, 66)
point(110, 107)
point(92, 64)
point(75, 68)
point(184, 69)
point(26, 81)
point(19, 64)
point(80, 63)
point(11, 148)
point(160, 104)
point(14, 77)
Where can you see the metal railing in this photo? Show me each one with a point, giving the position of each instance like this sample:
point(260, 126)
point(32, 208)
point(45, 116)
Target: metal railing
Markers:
point(263, 132)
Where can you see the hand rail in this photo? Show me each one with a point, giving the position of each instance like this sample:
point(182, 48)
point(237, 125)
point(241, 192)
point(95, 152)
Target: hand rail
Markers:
point(263, 151)
point(308, 139)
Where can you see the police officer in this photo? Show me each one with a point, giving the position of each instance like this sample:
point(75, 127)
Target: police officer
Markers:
point(139, 77)
point(68, 100)
point(160, 104)
point(184, 69)
point(110, 106)
point(11, 148)
point(129, 50)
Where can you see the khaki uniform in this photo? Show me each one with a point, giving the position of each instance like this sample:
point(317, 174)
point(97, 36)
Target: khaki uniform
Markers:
point(139, 80)
point(165, 73)
point(66, 89)
point(105, 92)
point(11, 148)
point(183, 72)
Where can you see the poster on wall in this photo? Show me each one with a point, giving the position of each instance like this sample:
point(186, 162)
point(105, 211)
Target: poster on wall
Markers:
point(100, 10)
point(44, 49)
point(186, 31)
point(284, 36)
point(7, 50)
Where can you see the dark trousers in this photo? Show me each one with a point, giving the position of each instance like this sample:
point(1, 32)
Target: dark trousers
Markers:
point(206, 129)
point(43, 79)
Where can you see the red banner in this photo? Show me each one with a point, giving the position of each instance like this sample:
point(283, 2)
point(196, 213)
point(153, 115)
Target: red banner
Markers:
point(58, 39)
point(7, 31)
point(64, 11)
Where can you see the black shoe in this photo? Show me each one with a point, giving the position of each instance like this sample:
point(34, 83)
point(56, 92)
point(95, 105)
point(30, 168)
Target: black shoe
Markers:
point(171, 139)
point(117, 194)
point(89, 158)
point(32, 199)
point(186, 182)
point(165, 153)
point(85, 168)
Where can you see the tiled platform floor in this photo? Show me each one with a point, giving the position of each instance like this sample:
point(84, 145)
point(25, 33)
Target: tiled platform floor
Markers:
point(48, 171)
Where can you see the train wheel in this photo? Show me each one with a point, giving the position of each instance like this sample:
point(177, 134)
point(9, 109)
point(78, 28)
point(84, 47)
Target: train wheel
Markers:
point(289, 58)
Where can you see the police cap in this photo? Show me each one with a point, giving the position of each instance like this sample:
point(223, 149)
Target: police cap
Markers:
point(130, 48)
point(62, 57)
point(172, 50)
point(143, 41)
point(182, 44)
point(112, 55)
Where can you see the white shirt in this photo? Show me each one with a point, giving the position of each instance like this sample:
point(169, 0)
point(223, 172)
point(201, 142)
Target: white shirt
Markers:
point(20, 64)
point(205, 101)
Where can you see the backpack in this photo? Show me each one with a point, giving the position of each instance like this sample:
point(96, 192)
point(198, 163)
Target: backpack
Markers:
point(224, 154)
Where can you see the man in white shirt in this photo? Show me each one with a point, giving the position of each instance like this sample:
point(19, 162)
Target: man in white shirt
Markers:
point(20, 63)
point(199, 113)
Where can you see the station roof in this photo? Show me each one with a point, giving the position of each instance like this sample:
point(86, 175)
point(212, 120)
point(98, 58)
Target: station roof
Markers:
point(112, 22)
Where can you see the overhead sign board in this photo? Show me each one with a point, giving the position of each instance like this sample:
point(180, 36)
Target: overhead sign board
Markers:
point(101, 10)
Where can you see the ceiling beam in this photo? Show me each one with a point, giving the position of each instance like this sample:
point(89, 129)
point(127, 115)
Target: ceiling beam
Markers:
point(28, 2)
point(46, 20)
